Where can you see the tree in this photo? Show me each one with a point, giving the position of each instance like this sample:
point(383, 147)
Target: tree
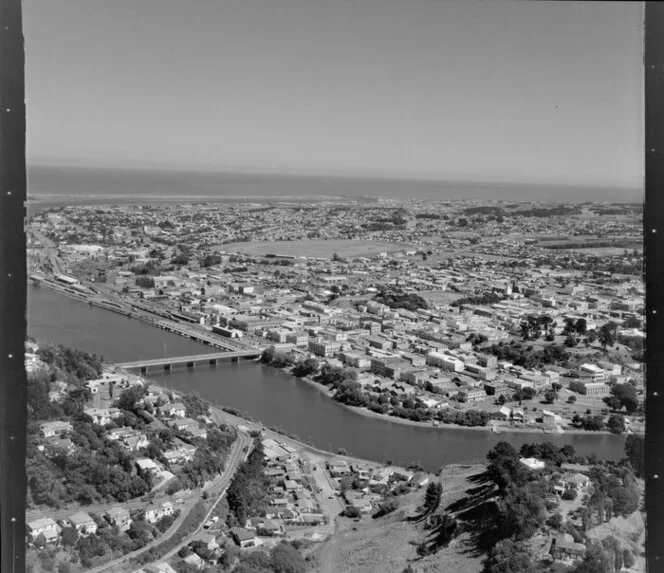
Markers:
point(305, 368)
point(128, 398)
point(432, 496)
point(581, 326)
point(69, 536)
point(607, 334)
point(634, 450)
point(509, 556)
point(521, 513)
point(616, 424)
point(571, 399)
point(445, 530)
point(623, 395)
point(504, 467)
point(550, 396)
point(286, 559)
point(145, 282)
point(570, 341)
point(352, 512)
point(595, 560)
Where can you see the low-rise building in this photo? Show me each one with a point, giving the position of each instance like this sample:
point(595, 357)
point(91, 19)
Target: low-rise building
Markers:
point(154, 512)
point(590, 388)
point(83, 523)
point(119, 516)
point(46, 527)
point(56, 428)
point(564, 550)
point(244, 538)
point(532, 463)
point(324, 348)
point(471, 394)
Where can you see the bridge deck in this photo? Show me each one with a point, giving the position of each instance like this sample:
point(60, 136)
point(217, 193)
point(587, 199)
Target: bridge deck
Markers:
point(174, 360)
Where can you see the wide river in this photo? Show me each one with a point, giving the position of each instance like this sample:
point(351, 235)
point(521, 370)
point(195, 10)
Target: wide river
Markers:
point(275, 398)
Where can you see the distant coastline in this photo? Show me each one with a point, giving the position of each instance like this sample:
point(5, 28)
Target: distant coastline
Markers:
point(87, 185)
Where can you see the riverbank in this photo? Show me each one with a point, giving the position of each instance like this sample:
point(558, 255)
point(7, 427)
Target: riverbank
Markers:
point(441, 426)
point(364, 411)
point(223, 416)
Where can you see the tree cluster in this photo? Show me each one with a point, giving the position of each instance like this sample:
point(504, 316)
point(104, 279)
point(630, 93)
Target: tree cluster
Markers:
point(248, 490)
point(80, 364)
point(283, 558)
point(520, 356)
point(622, 395)
point(487, 298)
point(409, 301)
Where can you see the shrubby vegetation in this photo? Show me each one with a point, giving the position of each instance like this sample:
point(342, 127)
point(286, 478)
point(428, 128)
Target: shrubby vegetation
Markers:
point(81, 365)
point(533, 358)
point(247, 492)
point(409, 301)
point(488, 298)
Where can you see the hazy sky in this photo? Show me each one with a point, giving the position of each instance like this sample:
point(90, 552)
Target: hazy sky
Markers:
point(483, 91)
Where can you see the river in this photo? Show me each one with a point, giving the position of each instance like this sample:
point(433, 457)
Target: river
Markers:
point(275, 398)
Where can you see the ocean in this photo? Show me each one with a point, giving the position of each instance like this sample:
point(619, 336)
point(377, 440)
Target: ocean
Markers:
point(77, 185)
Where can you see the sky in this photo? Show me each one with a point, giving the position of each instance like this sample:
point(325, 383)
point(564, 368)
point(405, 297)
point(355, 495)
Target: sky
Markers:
point(534, 92)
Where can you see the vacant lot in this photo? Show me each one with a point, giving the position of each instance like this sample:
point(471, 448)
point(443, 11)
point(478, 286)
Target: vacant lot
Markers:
point(316, 248)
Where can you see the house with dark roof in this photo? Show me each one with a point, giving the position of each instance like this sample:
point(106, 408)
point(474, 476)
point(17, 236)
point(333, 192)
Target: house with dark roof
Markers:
point(564, 550)
point(244, 538)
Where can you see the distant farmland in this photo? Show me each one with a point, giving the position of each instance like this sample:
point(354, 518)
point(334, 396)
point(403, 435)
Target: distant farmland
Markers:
point(316, 248)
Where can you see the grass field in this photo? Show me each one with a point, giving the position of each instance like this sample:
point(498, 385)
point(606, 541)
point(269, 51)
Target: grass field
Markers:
point(316, 248)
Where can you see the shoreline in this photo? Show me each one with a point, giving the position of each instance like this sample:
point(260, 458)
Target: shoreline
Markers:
point(218, 412)
point(441, 426)
point(368, 413)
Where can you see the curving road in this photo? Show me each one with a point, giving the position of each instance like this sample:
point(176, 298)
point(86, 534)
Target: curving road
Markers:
point(220, 483)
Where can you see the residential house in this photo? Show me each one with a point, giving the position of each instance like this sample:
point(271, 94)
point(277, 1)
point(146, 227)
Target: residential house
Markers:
point(176, 409)
point(83, 523)
point(195, 561)
point(146, 466)
point(244, 538)
point(46, 527)
point(119, 516)
point(102, 416)
point(58, 445)
point(564, 550)
point(154, 512)
point(338, 468)
point(56, 428)
point(208, 540)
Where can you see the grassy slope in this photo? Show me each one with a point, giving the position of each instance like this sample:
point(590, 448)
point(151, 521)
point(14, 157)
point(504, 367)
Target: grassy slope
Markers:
point(388, 544)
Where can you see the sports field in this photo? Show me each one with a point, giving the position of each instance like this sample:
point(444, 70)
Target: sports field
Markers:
point(317, 248)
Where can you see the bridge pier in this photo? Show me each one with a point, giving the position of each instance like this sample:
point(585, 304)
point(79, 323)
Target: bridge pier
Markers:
point(235, 359)
point(144, 369)
point(213, 362)
point(191, 365)
point(167, 366)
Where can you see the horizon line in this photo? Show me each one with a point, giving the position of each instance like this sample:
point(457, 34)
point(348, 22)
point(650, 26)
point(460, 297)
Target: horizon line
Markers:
point(322, 174)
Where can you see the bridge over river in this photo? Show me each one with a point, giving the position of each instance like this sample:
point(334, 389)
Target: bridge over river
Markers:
point(189, 361)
